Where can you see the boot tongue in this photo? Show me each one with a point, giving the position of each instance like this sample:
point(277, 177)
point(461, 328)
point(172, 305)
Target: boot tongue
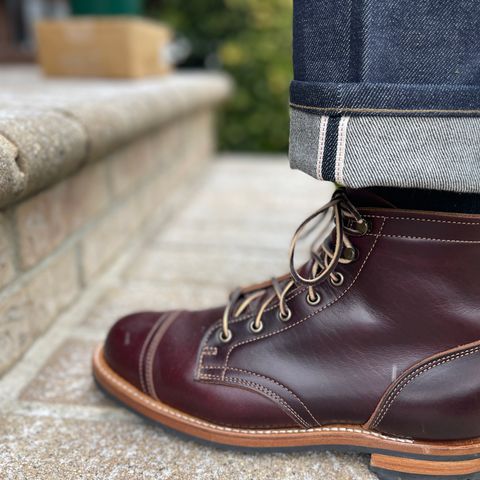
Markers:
point(368, 198)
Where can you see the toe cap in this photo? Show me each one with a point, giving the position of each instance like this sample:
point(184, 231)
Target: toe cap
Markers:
point(124, 343)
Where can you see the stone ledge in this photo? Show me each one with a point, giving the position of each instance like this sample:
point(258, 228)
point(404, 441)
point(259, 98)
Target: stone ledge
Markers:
point(58, 242)
point(50, 128)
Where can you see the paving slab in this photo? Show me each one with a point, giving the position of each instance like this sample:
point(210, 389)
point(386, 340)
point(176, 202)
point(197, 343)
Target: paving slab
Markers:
point(218, 266)
point(134, 295)
point(46, 448)
point(66, 377)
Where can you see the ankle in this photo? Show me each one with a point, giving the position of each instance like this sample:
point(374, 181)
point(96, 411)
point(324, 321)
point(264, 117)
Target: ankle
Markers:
point(429, 200)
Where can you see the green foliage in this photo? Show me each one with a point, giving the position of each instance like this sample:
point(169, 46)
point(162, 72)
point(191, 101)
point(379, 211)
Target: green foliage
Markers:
point(251, 40)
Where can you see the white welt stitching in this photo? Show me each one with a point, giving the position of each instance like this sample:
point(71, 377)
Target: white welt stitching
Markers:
point(156, 405)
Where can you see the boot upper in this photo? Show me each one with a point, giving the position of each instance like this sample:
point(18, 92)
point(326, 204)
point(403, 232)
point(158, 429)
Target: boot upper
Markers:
point(411, 292)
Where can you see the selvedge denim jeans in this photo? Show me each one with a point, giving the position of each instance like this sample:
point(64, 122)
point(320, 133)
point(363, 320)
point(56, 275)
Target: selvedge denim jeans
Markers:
point(387, 93)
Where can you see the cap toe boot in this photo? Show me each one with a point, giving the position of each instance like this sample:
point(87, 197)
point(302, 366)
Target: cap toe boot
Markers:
point(374, 343)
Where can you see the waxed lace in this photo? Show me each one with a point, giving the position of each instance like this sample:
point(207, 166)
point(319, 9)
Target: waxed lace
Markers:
point(338, 215)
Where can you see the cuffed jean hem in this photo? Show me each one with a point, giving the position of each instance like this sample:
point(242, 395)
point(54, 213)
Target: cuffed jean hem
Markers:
point(411, 151)
point(385, 99)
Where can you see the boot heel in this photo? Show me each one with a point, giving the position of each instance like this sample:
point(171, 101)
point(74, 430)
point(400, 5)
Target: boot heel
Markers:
point(388, 467)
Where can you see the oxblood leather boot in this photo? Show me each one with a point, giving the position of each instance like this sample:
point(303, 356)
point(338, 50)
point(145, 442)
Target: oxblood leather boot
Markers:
point(373, 344)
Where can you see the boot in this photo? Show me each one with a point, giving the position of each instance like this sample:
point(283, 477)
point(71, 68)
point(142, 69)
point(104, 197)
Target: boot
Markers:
point(373, 344)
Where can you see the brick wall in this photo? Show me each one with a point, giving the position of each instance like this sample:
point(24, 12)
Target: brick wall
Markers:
point(54, 244)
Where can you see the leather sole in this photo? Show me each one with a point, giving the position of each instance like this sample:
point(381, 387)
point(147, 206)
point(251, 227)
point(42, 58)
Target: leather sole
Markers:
point(391, 458)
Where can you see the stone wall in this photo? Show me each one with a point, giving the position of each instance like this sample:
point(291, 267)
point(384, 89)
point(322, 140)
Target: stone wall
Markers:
point(58, 241)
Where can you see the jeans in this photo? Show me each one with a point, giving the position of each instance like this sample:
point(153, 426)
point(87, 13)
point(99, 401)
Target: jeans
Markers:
point(387, 93)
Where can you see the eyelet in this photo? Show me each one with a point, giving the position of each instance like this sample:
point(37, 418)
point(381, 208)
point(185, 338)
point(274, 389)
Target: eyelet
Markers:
point(339, 282)
point(363, 227)
point(350, 254)
point(314, 301)
point(223, 338)
point(286, 317)
point(253, 329)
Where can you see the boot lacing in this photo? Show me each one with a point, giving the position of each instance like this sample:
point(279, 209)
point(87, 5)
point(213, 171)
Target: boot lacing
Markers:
point(324, 261)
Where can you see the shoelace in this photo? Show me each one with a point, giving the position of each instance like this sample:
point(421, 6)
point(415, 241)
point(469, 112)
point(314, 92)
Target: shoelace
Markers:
point(324, 261)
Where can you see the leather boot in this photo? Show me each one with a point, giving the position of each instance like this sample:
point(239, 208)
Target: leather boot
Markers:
point(374, 344)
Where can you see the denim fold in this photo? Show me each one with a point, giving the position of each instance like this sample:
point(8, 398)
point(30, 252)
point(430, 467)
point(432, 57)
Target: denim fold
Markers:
point(387, 93)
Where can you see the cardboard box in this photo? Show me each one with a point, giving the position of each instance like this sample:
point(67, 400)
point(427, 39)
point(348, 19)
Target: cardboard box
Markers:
point(121, 47)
